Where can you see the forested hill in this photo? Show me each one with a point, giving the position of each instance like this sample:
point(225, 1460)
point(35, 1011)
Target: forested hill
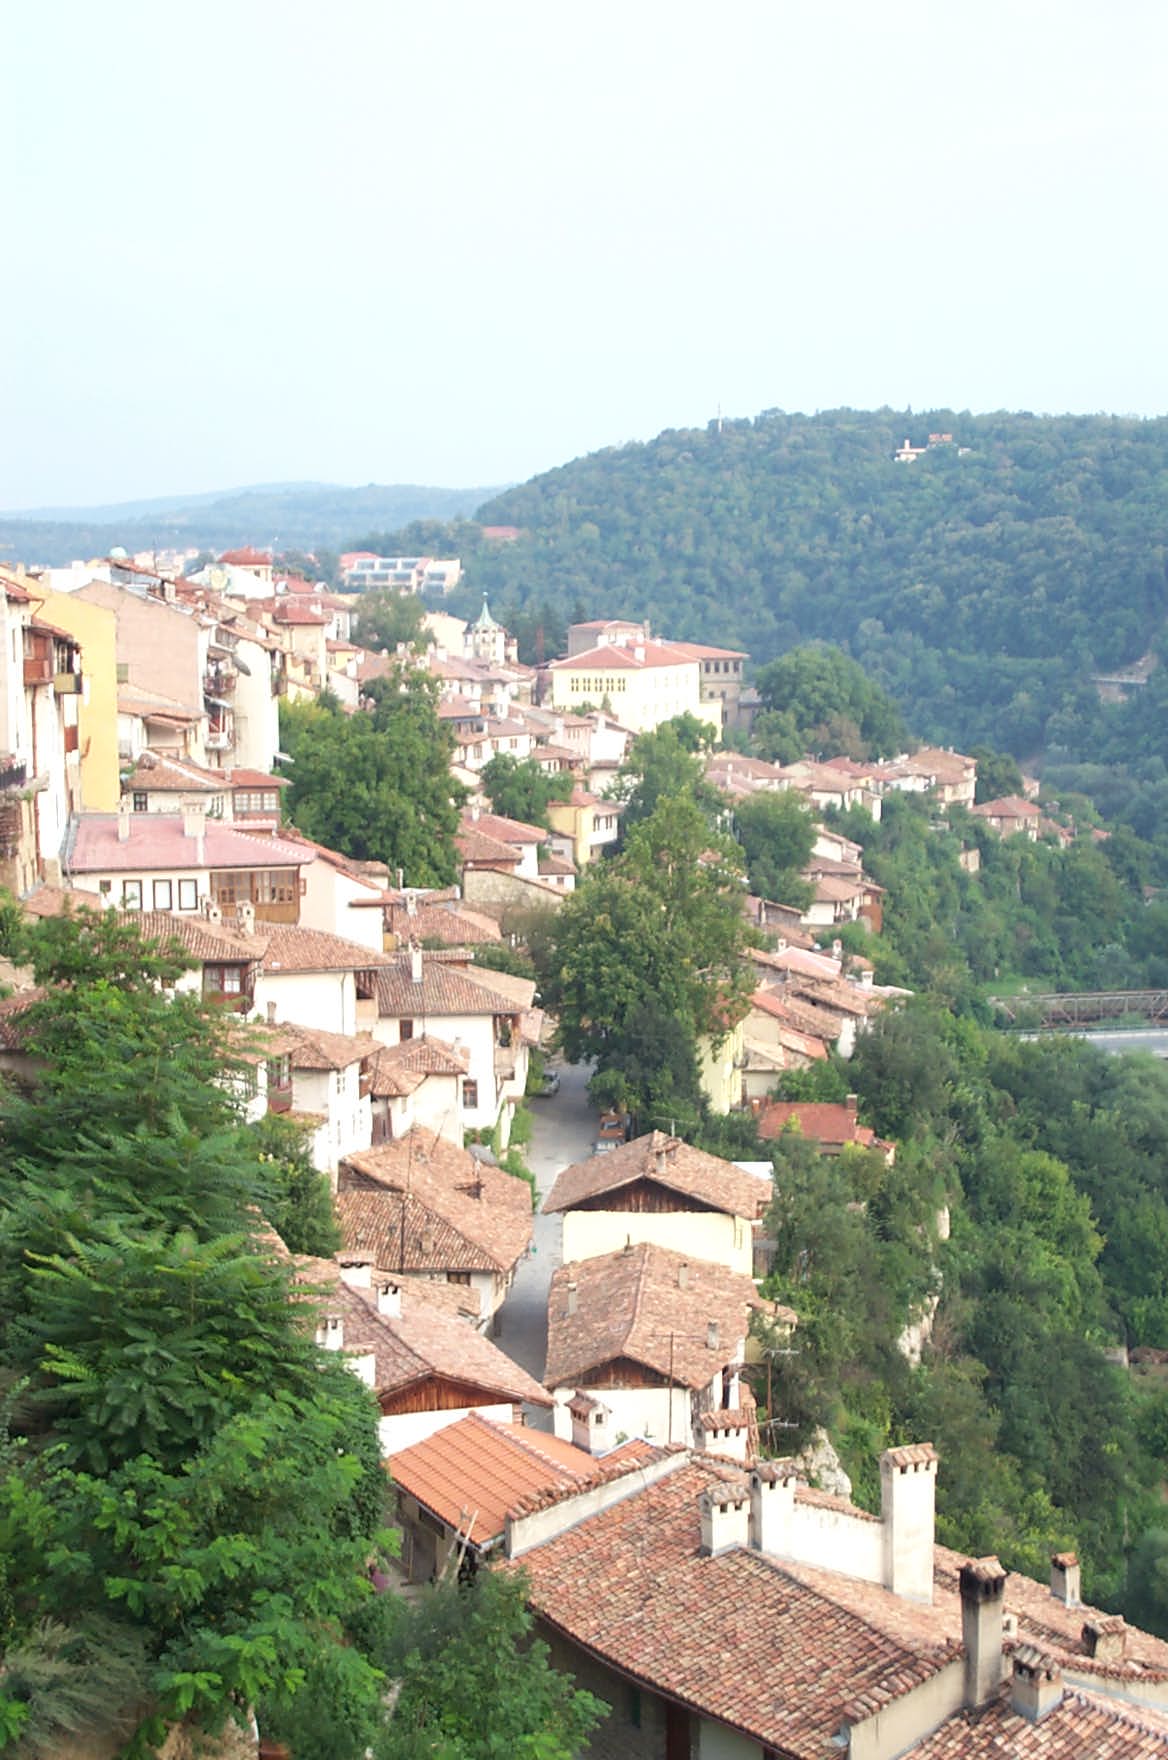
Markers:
point(980, 583)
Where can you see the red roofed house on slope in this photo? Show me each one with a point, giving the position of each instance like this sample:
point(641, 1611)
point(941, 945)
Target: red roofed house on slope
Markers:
point(833, 1127)
point(738, 1612)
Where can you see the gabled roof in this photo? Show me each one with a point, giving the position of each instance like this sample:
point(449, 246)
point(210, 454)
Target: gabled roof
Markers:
point(667, 1162)
point(401, 1069)
point(824, 1122)
point(420, 1204)
point(289, 947)
point(636, 657)
point(479, 850)
point(505, 830)
point(430, 1338)
point(441, 990)
point(1010, 806)
point(632, 1586)
point(452, 925)
point(311, 1048)
point(653, 1306)
point(471, 1473)
point(158, 841)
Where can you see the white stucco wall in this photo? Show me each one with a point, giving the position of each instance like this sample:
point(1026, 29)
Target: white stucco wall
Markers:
point(406, 1428)
point(716, 1742)
point(636, 1411)
point(327, 1000)
point(726, 1240)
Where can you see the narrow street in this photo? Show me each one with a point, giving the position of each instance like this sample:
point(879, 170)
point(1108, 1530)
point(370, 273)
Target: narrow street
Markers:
point(565, 1125)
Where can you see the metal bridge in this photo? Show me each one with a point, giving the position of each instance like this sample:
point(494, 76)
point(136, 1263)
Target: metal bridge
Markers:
point(1082, 1008)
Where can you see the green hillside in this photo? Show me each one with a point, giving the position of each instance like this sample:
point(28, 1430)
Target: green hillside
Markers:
point(982, 584)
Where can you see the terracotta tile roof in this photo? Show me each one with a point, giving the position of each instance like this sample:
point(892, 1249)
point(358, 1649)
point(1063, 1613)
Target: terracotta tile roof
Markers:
point(247, 557)
point(1080, 1727)
point(289, 947)
point(665, 1161)
point(1010, 806)
point(478, 1469)
point(166, 775)
point(453, 926)
point(401, 1069)
point(412, 1204)
point(430, 1338)
point(505, 830)
point(310, 1048)
point(290, 611)
point(158, 841)
point(441, 990)
point(201, 938)
point(792, 1011)
point(637, 656)
point(631, 1586)
point(823, 1121)
point(479, 850)
point(633, 1304)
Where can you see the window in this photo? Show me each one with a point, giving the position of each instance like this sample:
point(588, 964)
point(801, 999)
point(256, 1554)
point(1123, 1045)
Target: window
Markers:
point(461, 1277)
point(163, 893)
point(105, 886)
point(188, 895)
point(405, 1030)
point(141, 801)
point(222, 980)
point(215, 807)
point(131, 895)
point(470, 1095)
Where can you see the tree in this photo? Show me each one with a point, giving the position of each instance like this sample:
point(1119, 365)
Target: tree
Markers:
point(998, 774)
point(832, 704)
point(777, 834)
point(387, 620)
point(655, 936)
point(507, 1699)
point(202, 1482)
point(663, 763)
point(518, 789)
point(377, 785)
point(298, 1201)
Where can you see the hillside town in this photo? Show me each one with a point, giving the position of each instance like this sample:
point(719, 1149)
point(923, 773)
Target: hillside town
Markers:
point(573, 1391)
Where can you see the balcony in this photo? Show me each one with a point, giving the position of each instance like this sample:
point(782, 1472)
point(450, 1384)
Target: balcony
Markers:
point(13, 772)
point(219, 681)
point(37, 670)
point(217, 740)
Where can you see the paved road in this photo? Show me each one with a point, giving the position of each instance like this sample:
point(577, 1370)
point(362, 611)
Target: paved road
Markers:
point(565, 1126)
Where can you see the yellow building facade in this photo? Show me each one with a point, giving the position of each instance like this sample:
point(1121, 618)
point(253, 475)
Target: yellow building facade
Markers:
point(95, 627)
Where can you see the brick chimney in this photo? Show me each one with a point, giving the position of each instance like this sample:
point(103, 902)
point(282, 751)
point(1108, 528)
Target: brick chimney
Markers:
point(724, 1510)
point(1037, 1683)
point(908, 1487)
point(1105, 1638)
point(1064, 1578)
point(983, 1583)
point(124, 811)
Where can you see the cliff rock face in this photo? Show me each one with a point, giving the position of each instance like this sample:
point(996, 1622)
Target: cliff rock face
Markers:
point(822, 1466)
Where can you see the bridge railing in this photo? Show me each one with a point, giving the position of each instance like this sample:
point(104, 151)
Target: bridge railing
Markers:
point(1080, 1007)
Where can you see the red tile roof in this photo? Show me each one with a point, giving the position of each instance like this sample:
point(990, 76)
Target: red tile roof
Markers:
point(827, 1123)
point(664, 1161)
point(420, 1204)
point(469, 1474)
point(157, 841)
point(442, 990)
point(639, 1303)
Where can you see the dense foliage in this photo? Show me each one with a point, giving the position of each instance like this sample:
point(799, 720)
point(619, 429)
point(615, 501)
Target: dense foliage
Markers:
point(982, 585)
point(376, 785)
point(518, 789)
point(644, 960)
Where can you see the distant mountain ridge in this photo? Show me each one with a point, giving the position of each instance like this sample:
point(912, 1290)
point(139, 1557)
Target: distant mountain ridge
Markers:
point(291, 516)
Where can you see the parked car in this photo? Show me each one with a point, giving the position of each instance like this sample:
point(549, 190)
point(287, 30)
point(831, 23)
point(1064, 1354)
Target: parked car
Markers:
point(549, 1083)
point(610, 1133)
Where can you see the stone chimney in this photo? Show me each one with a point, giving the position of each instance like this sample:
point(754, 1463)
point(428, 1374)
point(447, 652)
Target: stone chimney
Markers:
point(852, 1103)
point(725, 1516)
point(591, 1424)
point(330, 1334)
point(1037, 1684)
point(245, 917)
point(772, 1506)
point(357, 1273)
point(711, 1335)
point(571, 1300)
point(908, 1487)
point(415, 963)
point(1105, 1638)
point(389, 1301)
point(983, 1583)
point(271, 1013)
point(1064, 1578)
point(124, 811)
point(683, 1276)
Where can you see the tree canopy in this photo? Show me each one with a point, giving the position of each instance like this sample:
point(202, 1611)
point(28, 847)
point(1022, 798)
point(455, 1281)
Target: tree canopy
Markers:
point(519, 789)
point(376, 785)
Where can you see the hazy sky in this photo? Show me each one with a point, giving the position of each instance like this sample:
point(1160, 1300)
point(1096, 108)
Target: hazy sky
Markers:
point(460, 241)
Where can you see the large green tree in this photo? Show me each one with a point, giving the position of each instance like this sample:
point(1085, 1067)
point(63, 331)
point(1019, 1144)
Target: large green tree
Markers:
point(663, 762)
point(650, 947)
point(777, 834)
point(519, 789)
point(387, 618)
point(376, 785)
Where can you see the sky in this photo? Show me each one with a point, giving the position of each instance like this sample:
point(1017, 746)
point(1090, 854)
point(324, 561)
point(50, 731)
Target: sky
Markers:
point(458, 242)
